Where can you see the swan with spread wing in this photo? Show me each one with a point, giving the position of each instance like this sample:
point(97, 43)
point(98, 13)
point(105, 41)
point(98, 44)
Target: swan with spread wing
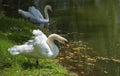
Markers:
point(35, 16)
point(40, 46)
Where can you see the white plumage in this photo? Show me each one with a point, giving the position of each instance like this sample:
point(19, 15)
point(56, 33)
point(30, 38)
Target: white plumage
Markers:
point(35, 16)
point(40, 46)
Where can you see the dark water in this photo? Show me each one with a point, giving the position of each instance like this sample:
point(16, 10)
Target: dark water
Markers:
point(96, 22)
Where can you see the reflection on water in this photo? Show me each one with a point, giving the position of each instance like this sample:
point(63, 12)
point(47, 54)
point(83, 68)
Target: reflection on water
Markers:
point(85, 61)
point(96, 23)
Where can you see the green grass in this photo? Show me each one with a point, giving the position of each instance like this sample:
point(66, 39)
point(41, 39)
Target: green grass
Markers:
point(21, 65)
point(17, 30)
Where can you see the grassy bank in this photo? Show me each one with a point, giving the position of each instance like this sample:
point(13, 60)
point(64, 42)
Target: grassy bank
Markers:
point(17, 31)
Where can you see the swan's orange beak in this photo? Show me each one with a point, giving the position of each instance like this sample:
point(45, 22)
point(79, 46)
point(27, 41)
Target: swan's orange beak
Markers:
point(67, 44)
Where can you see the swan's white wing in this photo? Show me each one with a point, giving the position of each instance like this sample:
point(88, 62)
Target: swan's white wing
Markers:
point(39, 32)
point(35, 12)
point(21, 49)
point(38, 20)
point(41, 46)
point(33, 15)
point(37, 47)
point(29, 16)
point(39, 36)
point(25, 14)
point(37, 16)
point(44, 20)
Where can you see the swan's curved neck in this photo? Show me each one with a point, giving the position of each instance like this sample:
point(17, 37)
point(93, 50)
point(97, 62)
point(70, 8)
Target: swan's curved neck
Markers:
point(53, 47)
point(46, 13)
point(51, 43)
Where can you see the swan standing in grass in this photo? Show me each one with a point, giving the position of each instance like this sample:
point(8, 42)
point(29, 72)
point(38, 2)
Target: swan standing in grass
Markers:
point(40, 46)
point(35, 16)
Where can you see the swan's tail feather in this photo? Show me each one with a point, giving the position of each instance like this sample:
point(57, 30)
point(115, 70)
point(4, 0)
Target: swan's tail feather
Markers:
point(14, 50)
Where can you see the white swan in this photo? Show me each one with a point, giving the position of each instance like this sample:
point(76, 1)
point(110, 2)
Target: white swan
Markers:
point(40, 46)
point(35, 16)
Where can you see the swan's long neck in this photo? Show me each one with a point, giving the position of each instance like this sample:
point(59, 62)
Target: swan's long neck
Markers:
point(46, 13)
point(52, 45)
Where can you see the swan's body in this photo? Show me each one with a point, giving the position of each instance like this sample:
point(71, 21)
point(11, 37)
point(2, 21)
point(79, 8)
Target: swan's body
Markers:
point(40, 46)
point(35, 16)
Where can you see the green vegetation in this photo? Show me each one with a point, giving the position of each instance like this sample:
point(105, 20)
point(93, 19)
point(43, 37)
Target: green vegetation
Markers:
point(17, 31)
